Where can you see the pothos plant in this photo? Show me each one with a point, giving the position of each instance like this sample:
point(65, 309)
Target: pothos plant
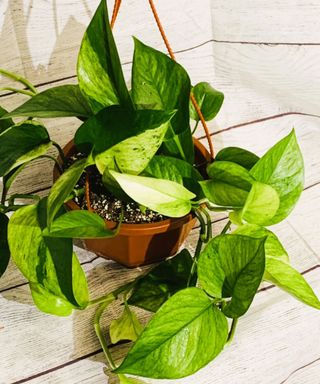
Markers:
point(140, 141)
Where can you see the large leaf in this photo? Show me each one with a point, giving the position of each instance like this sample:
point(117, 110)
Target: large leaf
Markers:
point(61, 101)
point(171, 168)
point(4, 247)
point(261, 205)
point(22, 143)
point(282, 168)
point(164, 196)
point(122, 138)
point(6, 123)
point(158, 285)
point(99, 69)
point(232, 266)
point(237, 155)
point(127, 327)
point(56, 278)
point(229, 185)
point(209, 100)
point(62, 188)
point(160, 83)
point(287, 278)
point(79, 224)
point(185, 334)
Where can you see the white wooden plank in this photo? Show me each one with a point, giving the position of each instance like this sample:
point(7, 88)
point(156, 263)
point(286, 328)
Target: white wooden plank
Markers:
point(48, 33)
point(275, 21)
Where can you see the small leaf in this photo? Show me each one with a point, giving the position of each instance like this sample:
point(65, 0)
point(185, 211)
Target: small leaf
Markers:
point(79, 224)
point(21, 143)
point(261, 205)
point(4, 123)
point(229, 185)
point(4, 247)
point(171, 168)
point(237, 155)
point(163, 281)
point(185, 334)
point(99, 69)
point(127, 327)
point(287, 278)
point(282, 168)
point(163, 196)
point(61, 101)
point(232, 266)
point(160, 83)
point(209, 100)
point(62, 188)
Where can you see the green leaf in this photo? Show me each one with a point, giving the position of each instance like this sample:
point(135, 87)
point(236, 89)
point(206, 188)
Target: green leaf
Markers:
point(6, 123)
point(282, 168)
point(127, 327)
point(133, 140)
point(229, 185)
point(61, 101)
point(163, 281)
point(160, 83)
point(209, 100)
point(129, 380)
point(232, 266)
point(163, 196)
point(4, 247)
point(56, 278)
point(79, 224)
point(62, 188)
point(261, 205)
point(171, 168)
point(99, 69)
point(272, 246)
point(21, 143)
point(185, 334)
point(287, 278)
point(237, 155)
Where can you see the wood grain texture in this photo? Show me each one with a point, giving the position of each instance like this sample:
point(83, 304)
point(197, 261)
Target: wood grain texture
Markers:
point(275, 21)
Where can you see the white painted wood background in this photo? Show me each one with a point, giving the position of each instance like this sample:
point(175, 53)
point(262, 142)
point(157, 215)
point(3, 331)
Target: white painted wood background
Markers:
point(264, 55)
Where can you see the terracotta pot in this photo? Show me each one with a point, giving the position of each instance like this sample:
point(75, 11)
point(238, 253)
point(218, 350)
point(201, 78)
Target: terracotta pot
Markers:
point(140, 244)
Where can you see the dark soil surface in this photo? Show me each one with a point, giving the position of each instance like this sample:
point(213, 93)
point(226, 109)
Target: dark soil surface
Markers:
point(108, 206)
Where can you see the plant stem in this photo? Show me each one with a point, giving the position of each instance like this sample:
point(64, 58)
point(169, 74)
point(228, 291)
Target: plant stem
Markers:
point(99, 332)
point(232, 330)
point(19, 79)
point(202, 224)
point(226, 227)
point(22, 196)
point(15, 90)
point(209, 224)
point(60, 150)
point(195, 127)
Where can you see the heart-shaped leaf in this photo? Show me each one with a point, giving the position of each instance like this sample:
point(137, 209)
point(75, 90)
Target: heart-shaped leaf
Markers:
point(4, 123)
point(4, 247)
point(127, 327)
point(163, 196)
point(160, 83)
point(171, 168)
point(22, 143)
point(237, 155)
point(61, 101)
point(79, 224)
point(261, 205)
point(169, 346)
point(99, 69)
point(229, 185)
point(232, 266)
point(209, 100)
point(158, 285)
point(282, 168)
point(62, 188)
point(57, 281)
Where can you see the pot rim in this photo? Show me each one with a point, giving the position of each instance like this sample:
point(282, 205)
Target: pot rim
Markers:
point(131, 228)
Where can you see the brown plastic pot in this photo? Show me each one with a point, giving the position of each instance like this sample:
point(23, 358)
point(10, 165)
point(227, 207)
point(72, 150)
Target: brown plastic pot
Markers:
point(141, 244)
